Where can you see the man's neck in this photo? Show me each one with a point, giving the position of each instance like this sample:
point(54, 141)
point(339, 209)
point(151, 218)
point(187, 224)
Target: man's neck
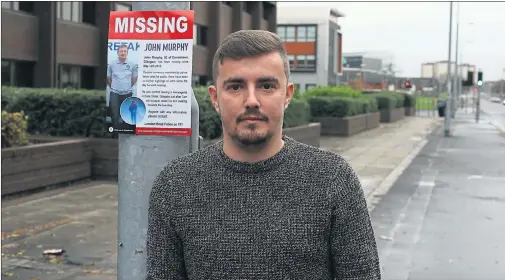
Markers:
point(122, 60)
point(252, 154)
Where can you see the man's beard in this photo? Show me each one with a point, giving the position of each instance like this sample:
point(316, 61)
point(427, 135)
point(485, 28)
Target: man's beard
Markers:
point(250, 137)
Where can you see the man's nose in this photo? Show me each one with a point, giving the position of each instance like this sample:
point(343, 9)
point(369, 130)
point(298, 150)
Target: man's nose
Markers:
point(251, 99)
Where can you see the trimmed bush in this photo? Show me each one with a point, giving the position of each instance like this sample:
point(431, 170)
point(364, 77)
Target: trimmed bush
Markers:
point(14, 129)
point(370, 104)
point(210, 122)
point(385, 101)
point(297, 113)
point(332, 91)
point(410, 101)
point(60, 112)
point(339, 107)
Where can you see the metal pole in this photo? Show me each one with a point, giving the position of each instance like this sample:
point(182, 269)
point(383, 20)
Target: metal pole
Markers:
point(141, 158)
point(477, 111)
point(456, 76)
point(448, 111)
point(502, 82)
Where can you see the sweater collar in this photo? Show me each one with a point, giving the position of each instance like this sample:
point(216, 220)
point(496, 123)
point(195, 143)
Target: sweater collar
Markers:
point(256, 167)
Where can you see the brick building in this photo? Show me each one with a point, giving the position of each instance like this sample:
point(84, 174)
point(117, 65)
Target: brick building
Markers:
point(63, 44)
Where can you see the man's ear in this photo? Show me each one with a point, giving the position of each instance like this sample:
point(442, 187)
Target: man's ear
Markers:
point(290, 90)
point(213, 97)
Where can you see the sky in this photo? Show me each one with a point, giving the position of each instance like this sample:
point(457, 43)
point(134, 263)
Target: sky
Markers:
point(418, 32)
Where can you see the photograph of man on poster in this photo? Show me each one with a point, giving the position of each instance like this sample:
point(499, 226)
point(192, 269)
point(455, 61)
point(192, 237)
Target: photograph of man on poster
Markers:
point(122, 75)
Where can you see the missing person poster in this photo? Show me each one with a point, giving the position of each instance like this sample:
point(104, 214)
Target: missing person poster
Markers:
point(149, 72)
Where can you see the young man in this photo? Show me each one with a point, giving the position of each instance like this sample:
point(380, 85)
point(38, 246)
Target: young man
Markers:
point(258, 205)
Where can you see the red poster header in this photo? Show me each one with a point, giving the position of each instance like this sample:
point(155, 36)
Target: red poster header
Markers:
point(151, 25)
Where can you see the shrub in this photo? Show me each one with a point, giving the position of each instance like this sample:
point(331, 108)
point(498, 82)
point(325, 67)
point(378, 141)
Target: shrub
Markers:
point(210, 122)
point(332, 91)
point(297, 113)
point(410, 101)
point(14, 129)
point(370, 104)
point(59, 112)
point(336, 106)
point(385, 101)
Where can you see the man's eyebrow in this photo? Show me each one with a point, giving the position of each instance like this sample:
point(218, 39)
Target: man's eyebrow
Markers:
point(268, 79)
point(233, 80)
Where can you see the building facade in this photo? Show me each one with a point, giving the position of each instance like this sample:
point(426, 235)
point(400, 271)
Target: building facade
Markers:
point(438, 70)
point(313, 41)
point(63, 44)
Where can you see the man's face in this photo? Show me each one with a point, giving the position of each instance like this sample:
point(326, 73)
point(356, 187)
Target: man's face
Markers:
point(122, 53)
point(251, 95)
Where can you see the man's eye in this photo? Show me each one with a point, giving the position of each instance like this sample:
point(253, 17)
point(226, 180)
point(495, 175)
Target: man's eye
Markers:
point(268, 86)
point(234, 87)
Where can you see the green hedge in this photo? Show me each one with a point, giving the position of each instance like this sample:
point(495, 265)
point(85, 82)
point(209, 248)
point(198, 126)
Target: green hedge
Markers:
point(332, 91)
point(410, 101)
point(60, 112)
point(390, 100)
point(340, 107)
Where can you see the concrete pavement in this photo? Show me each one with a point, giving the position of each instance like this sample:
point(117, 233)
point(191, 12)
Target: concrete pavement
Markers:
point(82, 220)
point(444, 217)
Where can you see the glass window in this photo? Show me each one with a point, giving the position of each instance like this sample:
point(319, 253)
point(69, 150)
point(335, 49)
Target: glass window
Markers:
point(302, 34)
point(13, 5)
point(76, 11)
point(291, 59)
point(311, 59)
point(69, 76)
point(200, 35)
point(58, 10)
point(290, 33)
point(66, 10)
point(71, 11)
point(281, 31)
point(123, 8)
point(6, 71)
point(311, 34)
point(309, 86)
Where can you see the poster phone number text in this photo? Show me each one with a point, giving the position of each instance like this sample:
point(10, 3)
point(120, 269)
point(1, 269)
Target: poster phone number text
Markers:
point(170, 124)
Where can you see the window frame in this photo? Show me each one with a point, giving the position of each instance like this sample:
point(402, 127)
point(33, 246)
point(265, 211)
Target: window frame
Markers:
point(74, 5)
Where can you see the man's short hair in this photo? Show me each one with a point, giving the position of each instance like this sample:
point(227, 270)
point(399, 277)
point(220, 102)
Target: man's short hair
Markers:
point(249, 43)
point(122, 46)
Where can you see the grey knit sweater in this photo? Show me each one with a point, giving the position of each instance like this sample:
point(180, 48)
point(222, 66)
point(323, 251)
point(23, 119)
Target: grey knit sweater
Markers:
point(299, 215)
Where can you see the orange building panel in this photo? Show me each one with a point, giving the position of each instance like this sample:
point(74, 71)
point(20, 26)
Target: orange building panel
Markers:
point(300, 48)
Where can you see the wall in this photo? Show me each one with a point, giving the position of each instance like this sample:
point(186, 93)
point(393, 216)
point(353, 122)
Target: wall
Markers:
point(36, 166)
point(19, 36)
point(78, 50)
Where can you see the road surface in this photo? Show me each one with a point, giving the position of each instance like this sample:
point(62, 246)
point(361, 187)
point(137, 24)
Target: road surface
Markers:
point(494, 111)
point(444, 217)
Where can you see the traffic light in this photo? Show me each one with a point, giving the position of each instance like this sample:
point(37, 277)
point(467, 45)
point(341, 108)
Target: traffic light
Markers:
point(469, 79)
point(408, 84)
point(480, 79)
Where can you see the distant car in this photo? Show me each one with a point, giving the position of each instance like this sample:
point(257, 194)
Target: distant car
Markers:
point(495, 99)
point(503, 102)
